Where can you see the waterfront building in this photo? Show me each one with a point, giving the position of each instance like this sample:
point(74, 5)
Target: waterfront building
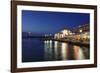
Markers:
point(82, 32)
point(63, 34)
point(82, 28)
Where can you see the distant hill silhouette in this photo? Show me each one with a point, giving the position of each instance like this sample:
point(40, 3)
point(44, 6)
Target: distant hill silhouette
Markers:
point(32, 34)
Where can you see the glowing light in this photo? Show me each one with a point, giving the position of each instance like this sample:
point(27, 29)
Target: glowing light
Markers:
point(80, 30)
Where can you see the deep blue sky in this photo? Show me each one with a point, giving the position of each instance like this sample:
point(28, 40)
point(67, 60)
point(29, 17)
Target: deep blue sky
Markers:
point(51, 22)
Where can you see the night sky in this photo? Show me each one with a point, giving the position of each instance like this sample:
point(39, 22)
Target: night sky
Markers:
point(51, 22)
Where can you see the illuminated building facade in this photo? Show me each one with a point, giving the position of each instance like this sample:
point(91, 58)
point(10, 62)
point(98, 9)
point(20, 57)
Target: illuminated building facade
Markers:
point(81, 33)
point(82, 29)
point(63, 34)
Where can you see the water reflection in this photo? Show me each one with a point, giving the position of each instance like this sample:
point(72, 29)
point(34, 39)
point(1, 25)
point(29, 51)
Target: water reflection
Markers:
point(35, 50)
point(64, 51)
point(54, 50)
point(78, 53)
point(48, 49)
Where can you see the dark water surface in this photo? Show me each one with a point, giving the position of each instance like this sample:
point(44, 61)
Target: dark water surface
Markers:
point(35, 50)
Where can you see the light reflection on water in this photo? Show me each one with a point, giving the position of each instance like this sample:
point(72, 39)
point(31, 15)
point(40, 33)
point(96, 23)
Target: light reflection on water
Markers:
point(35, 50)
point(55, 50)
point(78, 53)
point(64, 49)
